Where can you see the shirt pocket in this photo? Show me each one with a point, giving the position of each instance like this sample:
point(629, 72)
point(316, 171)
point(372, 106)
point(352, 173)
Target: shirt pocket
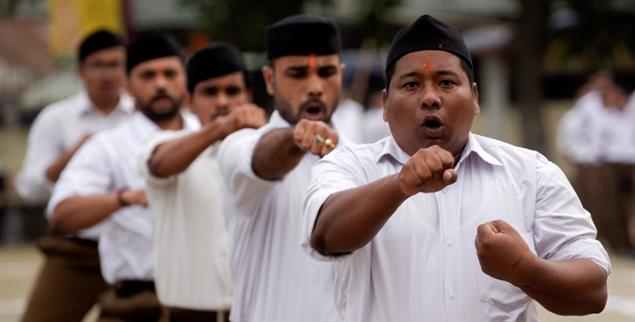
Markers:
point(500, 300)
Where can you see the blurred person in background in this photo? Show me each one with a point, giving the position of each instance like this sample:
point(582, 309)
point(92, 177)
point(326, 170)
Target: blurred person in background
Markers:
point(70, 279)
point(598, 136)
point(266, 173)
point(184, 189)
point(103, 184)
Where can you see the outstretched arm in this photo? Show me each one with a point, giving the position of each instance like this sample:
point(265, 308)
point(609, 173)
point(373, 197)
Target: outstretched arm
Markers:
point(174, 157)
point(341, 228)
point(279, 151)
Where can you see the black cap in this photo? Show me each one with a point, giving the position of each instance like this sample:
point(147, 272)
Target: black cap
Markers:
point(428, 33)
point(302, 35)
point(101, 39)
point(215, 60)
point(151, 46)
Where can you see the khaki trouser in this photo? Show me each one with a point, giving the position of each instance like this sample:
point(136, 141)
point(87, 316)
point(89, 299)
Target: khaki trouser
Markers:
point(130, 301)
point(69, 281)
point(607, 192)
point(187, 315)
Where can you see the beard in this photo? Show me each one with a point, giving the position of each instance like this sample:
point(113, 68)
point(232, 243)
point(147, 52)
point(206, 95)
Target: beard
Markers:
point(287, 112)
point(148, 109)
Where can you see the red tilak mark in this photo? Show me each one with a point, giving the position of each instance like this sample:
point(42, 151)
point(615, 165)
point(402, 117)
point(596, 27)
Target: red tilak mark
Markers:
point(426, 66)
point(312, 62)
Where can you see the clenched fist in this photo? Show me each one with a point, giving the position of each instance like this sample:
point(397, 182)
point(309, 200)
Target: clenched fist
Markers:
point(503, 253)
point(129, 197)
point(315, 137)
point(428, 170)
point(240, 117)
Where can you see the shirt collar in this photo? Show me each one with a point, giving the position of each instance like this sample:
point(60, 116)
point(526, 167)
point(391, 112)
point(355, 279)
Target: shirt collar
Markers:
point(125, 104)
point(391, 148)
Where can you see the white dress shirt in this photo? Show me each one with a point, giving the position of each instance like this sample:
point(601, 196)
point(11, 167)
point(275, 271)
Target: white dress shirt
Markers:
point(108, 162)
point(190, 237)
point(57, 129)
point(274, 280)
point(422, 265)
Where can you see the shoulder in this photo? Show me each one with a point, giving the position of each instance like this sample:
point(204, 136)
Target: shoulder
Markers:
point(61, 109)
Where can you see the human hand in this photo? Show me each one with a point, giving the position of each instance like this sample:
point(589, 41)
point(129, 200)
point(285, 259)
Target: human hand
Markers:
point(503, 253)
point(315, 137)
point(428, 170)
point(127, 197)
point(240, 117)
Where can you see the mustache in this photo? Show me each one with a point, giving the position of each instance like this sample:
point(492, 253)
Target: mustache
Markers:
point(312, 101)
point(161, 96)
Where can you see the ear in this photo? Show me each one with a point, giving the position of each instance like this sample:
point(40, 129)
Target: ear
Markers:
point(267, 74)
point(384, 98)
point(477, 106)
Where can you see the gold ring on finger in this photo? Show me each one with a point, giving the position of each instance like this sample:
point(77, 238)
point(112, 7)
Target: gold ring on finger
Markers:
point(329, 144)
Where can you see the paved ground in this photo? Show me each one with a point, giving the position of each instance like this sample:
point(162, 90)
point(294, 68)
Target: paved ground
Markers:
point(19, 264)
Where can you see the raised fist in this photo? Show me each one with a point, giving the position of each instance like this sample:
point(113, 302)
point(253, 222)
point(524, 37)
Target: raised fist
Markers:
point(428, 170)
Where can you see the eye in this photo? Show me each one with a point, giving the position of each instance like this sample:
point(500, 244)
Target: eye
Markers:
point(410, 85)
point(233, 90)
point(147, 75)
point(297, 73)
point(446, 83)
point(170, 73)
point(327, 71)
point(209, 91)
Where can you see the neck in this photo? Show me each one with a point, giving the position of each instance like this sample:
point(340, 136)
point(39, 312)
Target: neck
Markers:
point(104, 103)
point(173, 124)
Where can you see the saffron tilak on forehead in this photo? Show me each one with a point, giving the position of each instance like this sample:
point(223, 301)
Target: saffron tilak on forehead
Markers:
point(312, 62)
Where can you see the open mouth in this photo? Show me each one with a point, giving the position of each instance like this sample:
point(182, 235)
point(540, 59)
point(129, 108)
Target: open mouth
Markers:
point(433, 126)
point(313, 111)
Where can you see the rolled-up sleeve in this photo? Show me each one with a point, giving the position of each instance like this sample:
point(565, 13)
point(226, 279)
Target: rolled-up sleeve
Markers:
point(88, 173)
point(336, 172)
point(563, 229)
point(246, 188)
point(148, 150)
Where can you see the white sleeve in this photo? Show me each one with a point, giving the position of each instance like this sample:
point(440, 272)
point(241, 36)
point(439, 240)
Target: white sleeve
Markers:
point(44, 147)
point(148, 150)
point(339, 170)
point(245, 187)
point(88, 173)
point(563, 229)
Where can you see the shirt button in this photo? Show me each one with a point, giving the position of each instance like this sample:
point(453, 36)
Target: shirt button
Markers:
point(451, 294)
point(449, 242)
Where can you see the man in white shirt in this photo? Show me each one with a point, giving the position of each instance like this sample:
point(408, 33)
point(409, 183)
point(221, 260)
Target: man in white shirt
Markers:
point(598, 136)
point(70, 279)
point(102, 183)
point(435, 223)
point(184, 189)
point(267, 172)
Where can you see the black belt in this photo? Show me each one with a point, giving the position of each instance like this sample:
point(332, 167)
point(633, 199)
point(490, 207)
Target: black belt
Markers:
point(127, 288)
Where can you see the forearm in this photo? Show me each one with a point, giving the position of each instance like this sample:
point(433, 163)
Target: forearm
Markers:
point(570, 287)
point(350, 219)
point(174, 157)
point(54, 170)
point(276, 154)
point(80, 212)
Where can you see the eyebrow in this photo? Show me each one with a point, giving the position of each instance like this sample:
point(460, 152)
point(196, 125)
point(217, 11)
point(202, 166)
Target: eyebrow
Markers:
point(442, 72)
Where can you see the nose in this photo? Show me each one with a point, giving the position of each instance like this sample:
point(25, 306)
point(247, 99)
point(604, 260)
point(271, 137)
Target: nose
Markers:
point(222, 100)
point(315, 86)
point(430, 97)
